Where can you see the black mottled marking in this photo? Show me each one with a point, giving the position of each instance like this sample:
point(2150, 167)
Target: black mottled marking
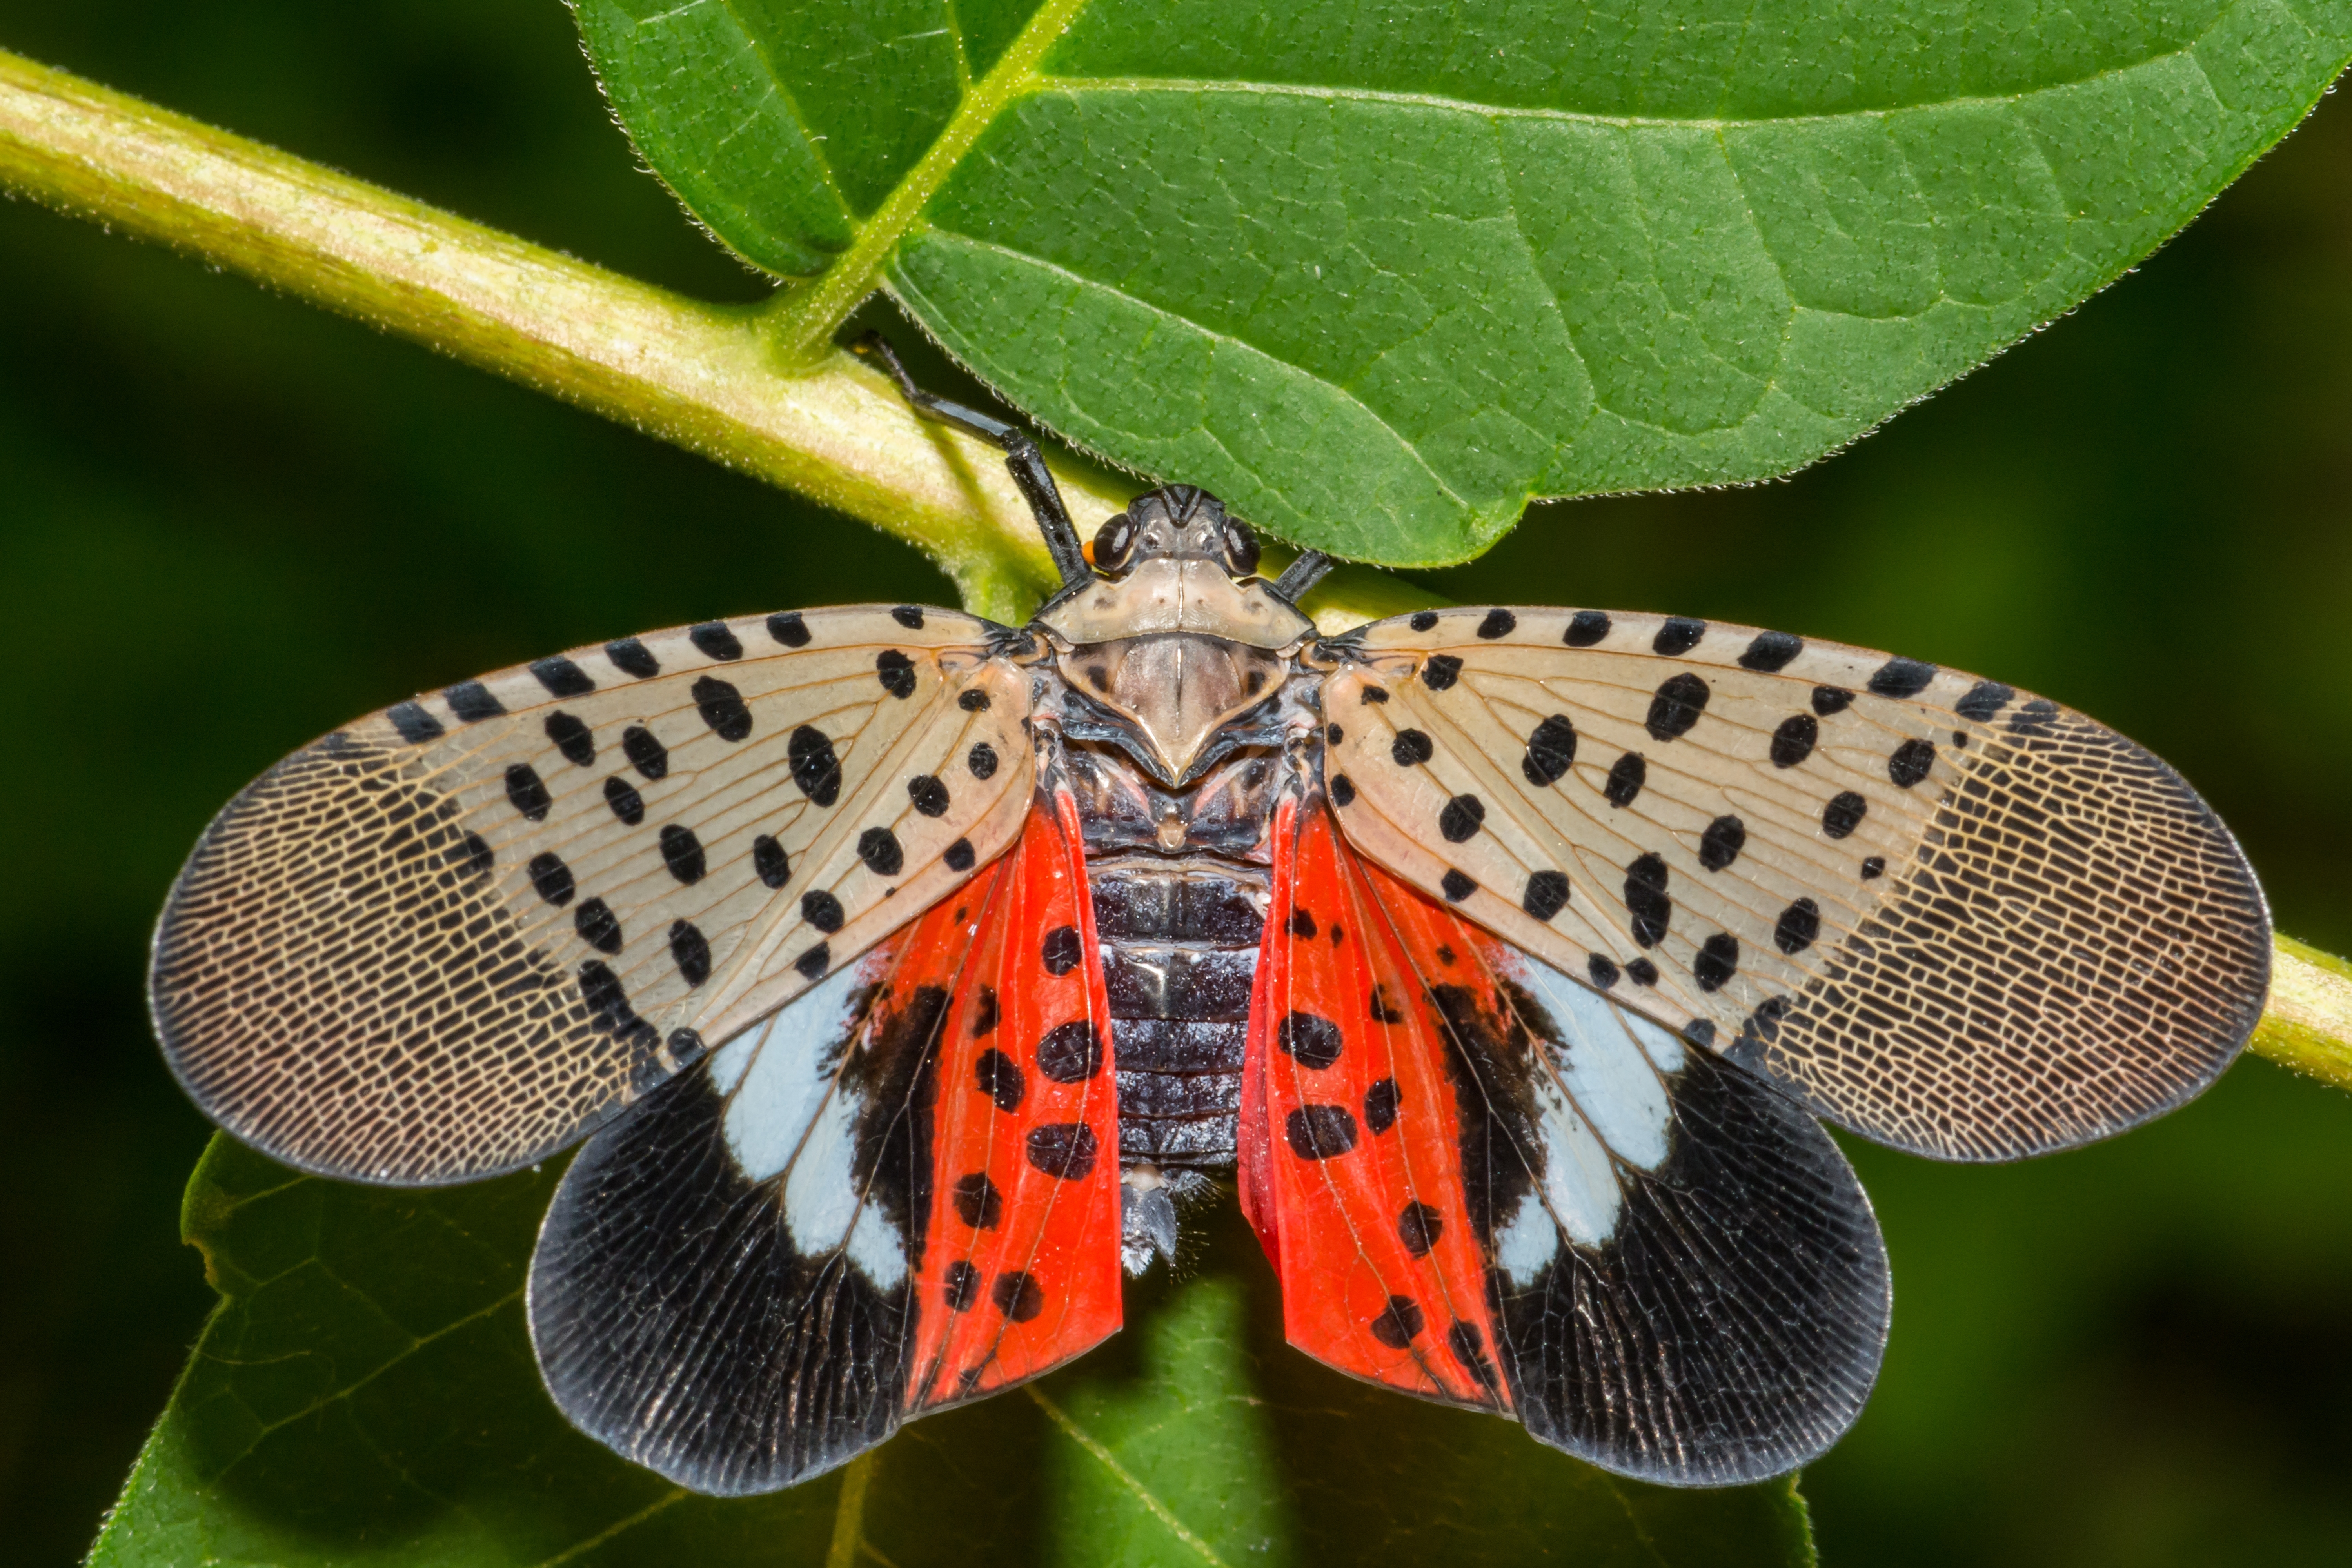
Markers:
point(1771, 651)
point(1721, 845)
point(1717, 961)
point(1445, 956)
point(2036, 720)
point(472, 702)
point(1461, 817)
point(1099, 676)
point(1676, 706)
point(962, 1286)
point(526, 794)
point(880, 849)
point(1901, 677)
point(551, 878)
point(562, 676)
point(1911, 762)
point(1017, 1296)
point(573, 739)
point(1441, 672)
point(996, 1075)
point(1320, 1132)
point(813, 963)
point(896, 671)
point(1985, 700)
point(909, 616)
point(822, 911)
point(1071, 1052)
point(981, 761)
point(626, 802)
point(1469, 1348)
point(415, 725)
point(1643, 971)
point(1066, 1150)
point(1455, 885)
point(817, 770)
point(1545, 894)
point(1061, 950)
point(1424, 621)
point(769, 860)
point(1419, 1226)
point(598, 926)
point(1498, 623)
point(1799, 926)
point(475, 853)
point(1374, 694)
point(713, 638)
point(1794, 740)
point(1400, 1323)
point(631, 656)
point(984, 1013)
point(722, 708)
point(685, 1045)
point(1829, 700)
point(973, 701)
point(646, 753)
point(1343, 790)
point(927, 795)
point(789, 630)
point(1625, 779)
point(1844, 814)
point(1646, 900)
point(1308, 1039)
point(959, 855)
point(1551, 749)
point(1380, 1011)
point(1604, 973)
point(682, 852)
point(1873, 868)
point(608, 999)
point(691, 951)
point(1333, 734)
point(977, 1202)
point(1586, 627)
point(1381, 1103)
point(1411, 748)
point(1678, 636)
point(1700, 1033)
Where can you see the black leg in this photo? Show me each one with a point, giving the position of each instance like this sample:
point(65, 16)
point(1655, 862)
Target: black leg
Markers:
point(1026, 464)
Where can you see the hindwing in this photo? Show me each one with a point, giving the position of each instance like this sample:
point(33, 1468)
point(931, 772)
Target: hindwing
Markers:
point(1481, 1183)
point(899, 1192)
point(447, 940)
point(1956, 918)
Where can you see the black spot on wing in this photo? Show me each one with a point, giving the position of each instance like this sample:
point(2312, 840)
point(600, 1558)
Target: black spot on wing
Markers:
point(1771, 651)
point(626, 802)
point(1901, 677)
point(1441, 672)
point(415, 725)
point(896, 671)
point(722, 708)
point(1678, 636)
point(1626, 776)
point(817, 770)
point(1551, 749)
point(714, 638)
point(788, 628)
point(1586, 627)
point(571, 738)
point(631, 656)
point(1310, 1040)
point(644, 751)
point(1676, 706)
point(472, 702)
point(562, 676)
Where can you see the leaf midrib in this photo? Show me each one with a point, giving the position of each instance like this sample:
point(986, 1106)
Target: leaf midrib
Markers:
point(807, 318)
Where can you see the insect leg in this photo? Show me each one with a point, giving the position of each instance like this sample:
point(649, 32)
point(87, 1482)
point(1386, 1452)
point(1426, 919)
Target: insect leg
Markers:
point(1026, 464)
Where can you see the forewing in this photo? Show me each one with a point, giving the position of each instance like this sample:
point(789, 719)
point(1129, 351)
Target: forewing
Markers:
point(447, 940)
point(1958, 917)
point(773, 1262)
point(1653, 1260)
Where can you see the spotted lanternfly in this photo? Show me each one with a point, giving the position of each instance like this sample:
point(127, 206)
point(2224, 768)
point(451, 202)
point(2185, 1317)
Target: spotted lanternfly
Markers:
point(910, 972)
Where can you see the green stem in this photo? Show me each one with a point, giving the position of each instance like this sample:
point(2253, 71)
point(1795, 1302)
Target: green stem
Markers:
point(806, 319)
point(713, 379)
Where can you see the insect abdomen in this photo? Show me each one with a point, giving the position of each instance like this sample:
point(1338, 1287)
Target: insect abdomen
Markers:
point(1179, 951)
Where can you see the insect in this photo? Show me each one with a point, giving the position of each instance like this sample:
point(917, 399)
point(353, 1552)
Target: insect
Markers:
point(909, 975)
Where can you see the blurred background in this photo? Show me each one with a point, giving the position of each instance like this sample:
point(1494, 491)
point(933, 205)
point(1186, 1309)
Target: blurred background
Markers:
point(228, 522)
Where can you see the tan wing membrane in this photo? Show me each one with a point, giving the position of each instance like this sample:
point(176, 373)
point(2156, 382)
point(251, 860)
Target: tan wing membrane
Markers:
point(456, 935)
point(1958, 917)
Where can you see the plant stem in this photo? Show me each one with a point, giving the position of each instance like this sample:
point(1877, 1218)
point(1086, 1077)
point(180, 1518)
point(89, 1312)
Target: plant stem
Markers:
point(712, 379)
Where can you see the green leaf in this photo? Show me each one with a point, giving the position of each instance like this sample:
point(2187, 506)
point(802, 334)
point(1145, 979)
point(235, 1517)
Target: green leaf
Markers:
point(365, 1394)
point(1379, 280)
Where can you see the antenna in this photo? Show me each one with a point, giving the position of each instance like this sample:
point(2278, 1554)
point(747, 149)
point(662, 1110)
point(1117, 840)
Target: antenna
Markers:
point(1301, 575)
point(1022, 459)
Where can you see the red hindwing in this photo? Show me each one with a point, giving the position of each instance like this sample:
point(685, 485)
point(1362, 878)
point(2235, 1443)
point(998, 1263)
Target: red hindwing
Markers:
point(1352, 1166)
point(1020, 1264)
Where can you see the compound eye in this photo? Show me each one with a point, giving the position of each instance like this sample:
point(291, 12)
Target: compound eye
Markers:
point(1241, 548)
point(1114, 543)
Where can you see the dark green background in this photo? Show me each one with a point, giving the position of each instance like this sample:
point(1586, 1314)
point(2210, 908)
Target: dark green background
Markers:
point(228, 522)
